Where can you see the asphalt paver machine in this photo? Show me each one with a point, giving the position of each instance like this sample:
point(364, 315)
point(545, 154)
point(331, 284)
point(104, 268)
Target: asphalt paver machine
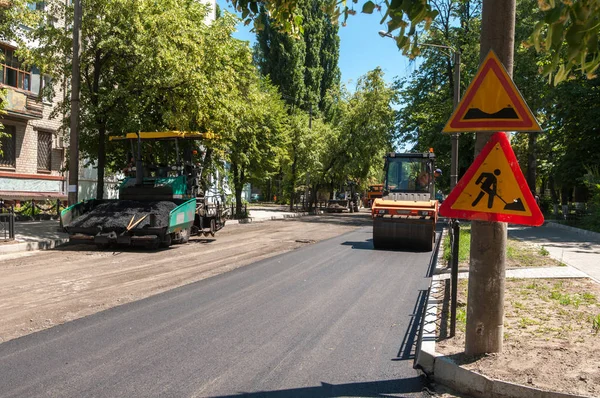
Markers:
point(404, 218)
point(159, 204)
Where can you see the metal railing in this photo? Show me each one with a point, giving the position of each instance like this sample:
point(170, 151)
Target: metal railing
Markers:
point(32, 209)
point(7, 224)
point(454, 233)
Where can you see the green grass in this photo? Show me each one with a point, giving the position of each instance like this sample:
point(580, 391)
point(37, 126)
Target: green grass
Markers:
point(464, 245)
point(524, 322)
point(589, 298)
point(532, 285)
point(575, 299)
point(515, 251)
point(524, 255)
point(596, 323)
point(461, 318)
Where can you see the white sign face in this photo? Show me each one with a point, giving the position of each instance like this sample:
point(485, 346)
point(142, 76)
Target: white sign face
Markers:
point(72, 188)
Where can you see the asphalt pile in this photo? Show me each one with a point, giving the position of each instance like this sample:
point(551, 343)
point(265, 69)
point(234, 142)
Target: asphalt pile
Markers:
point(117, 215)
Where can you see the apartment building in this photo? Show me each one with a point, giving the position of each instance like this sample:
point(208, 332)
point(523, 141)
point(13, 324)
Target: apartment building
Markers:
point(32, 159)
point(32, 162)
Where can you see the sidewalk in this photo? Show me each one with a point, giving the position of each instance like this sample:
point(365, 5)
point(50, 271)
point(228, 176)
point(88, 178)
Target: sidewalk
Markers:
point(571, 246)
point(34, 235)
point(43, 235)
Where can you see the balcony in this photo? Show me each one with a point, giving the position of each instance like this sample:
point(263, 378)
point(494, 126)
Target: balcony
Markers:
point(23, 104)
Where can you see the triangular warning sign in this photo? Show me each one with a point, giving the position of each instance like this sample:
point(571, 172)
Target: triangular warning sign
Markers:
point(494, 189)
point(492, 103)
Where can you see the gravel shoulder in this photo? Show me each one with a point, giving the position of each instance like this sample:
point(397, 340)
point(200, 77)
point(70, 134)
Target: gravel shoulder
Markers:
point(56, 286)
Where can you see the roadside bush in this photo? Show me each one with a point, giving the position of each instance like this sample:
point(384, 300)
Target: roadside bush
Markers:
point(592, 181)
point(546, 205)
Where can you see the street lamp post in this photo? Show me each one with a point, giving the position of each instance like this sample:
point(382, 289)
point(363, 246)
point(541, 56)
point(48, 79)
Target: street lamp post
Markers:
point(456, 99)
point(74, 122)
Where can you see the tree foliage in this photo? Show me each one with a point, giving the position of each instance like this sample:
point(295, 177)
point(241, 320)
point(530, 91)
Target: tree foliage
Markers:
point(13, 17)
point(426, 96)
point(568, 31)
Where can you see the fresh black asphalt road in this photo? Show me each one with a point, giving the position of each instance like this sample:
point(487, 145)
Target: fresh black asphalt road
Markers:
point(331, 319)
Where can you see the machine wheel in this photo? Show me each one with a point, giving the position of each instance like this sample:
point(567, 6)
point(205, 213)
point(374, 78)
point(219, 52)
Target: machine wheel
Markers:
point(165, 243)
point(377, 240)
point(184, 235)
point(102, 246)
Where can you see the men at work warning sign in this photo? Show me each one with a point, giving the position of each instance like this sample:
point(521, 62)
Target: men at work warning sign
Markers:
point(492, 103)
point(494, 189)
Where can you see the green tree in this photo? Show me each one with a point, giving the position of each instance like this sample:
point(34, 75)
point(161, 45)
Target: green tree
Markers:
point(365, 132)
point(259, 130)
point(568, 31)
point(329, 57)
point(425, 97)
point(147, 66)
point(281, 57)
point(304, 68)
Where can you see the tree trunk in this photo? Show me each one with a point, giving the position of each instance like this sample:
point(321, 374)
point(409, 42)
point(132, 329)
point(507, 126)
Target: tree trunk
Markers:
point(238, 188)
point(205, 174)
point(485, 312)
point(531, 161)
point(100, 123)
point(293, 178)
point(268, 194)
point(101, 161)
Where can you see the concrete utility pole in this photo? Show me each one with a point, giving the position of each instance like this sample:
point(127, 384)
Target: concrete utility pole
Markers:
point(485, 311)
point(454, 138)
point(74, 134)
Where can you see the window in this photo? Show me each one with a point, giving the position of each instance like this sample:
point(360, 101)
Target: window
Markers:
point(13, 74)
point(37, 5)
point(44, 161)
point(8, 146)
point(47, 92)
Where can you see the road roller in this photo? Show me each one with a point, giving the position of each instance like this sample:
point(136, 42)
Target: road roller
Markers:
point(404, 218)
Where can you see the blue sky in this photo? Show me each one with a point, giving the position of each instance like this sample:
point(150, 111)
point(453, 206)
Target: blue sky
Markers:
point(361, 48)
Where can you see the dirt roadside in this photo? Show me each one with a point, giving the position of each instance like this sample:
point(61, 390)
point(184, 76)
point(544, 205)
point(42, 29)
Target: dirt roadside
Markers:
point(551, 329)
point(53, 287)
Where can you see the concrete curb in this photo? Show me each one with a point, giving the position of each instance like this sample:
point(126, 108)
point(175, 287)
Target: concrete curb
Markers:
point(272, 218)
point(30, 246)
point(584, 232)
point(445, 371)
point(450, 374)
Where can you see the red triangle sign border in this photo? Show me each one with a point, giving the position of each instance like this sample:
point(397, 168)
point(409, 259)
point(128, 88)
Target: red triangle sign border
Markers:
point(492, 65)
point(526, 121)
point(535, 219)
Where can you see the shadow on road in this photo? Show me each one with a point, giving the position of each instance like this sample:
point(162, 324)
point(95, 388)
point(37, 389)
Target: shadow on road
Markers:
point(79, 247)
point(408, 347)
point(362, 245)
point(358, 219)
point(365, 389)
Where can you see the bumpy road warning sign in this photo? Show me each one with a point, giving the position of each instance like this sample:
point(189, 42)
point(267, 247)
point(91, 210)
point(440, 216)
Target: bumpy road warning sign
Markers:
point(492, 103)
point(494, 189)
